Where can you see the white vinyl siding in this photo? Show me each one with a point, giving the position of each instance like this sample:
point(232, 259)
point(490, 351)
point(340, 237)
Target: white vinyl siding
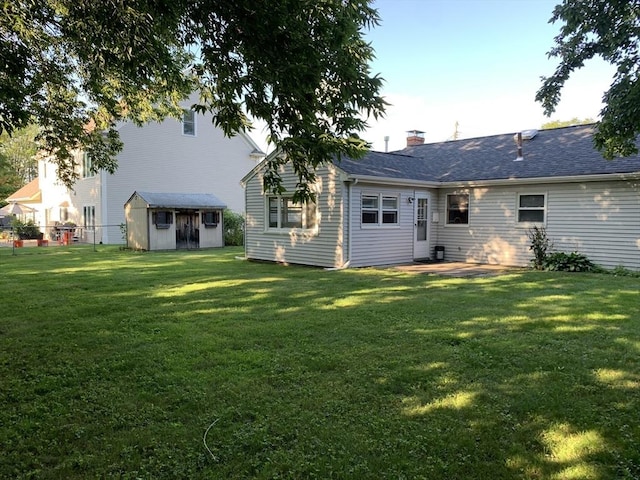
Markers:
point(382, 245)
point(322, 246)
point(598, 219)
point(158, 158)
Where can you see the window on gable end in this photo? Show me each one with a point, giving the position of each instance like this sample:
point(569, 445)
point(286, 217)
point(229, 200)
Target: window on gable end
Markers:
point(189, 123)
point(87, 166)
point(284, 213)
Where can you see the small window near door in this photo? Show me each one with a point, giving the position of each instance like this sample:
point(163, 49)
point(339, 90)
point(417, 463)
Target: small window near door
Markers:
point(379, 210)
point(458, 209)
point(211, 219)
point(162, 219)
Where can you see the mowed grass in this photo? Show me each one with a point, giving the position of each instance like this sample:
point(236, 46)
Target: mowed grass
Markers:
point(116, 364)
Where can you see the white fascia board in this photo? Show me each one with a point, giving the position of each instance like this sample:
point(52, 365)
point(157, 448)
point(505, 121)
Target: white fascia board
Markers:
point(406, 182)
point(540, 180)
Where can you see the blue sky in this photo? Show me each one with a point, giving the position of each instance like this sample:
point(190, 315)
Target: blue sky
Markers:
point(475, 62)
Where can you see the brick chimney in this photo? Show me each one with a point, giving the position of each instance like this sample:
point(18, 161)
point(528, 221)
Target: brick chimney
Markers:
point(415, 138)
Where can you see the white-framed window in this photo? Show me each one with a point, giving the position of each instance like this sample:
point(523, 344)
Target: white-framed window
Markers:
point(162, 219)
point(532, 207)
point(64, 214)
point(379, 209)
point(457, 209)
point(86, 168)
point(284, 213)
point(189, 123)
point(89, 217)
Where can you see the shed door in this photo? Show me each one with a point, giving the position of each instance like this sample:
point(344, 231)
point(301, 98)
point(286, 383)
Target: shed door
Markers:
point(421, 227)
point(187, 230)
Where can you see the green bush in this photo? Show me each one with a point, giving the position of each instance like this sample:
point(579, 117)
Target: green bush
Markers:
point(26, 230)
point(540, 244)
point(568, 262)
point(233, 228)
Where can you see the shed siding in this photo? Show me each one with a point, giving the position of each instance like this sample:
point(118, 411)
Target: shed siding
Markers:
point(137, 224)
point(212, 236)
point(326, 248)
point(161, 238)
point(598, 219)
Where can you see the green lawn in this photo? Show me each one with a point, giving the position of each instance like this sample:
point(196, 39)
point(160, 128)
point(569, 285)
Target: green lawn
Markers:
point(115, 365)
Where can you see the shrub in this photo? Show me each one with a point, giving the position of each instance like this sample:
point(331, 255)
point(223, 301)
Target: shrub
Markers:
point(26, 230)
point(233, 228)
point(568, 262)
point(541, 245)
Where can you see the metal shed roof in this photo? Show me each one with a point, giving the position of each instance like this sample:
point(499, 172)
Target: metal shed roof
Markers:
point(180, 200)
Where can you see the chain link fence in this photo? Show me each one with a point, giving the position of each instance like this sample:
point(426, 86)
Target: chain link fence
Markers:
point(17, 240)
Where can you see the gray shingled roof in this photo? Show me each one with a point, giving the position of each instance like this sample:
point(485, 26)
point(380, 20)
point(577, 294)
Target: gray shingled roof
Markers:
point(560, 152)
point(181, 200)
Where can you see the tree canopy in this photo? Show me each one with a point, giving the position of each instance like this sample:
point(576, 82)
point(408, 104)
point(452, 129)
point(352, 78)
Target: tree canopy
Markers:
point(17, 160)
point(609, 29)
point(566, 123)
point(81, 66)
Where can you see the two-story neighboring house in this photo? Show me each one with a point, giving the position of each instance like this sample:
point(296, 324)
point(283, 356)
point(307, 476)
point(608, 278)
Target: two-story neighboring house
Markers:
point(191, 156)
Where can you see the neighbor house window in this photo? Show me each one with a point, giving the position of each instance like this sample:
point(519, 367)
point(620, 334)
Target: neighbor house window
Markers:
point(458, 209)
point(162, 218)
point(379, 209)
point(531, 208)
point(87, 166)
point(211, 219)
point(64, 214)
point(89, 217)
point(189, 123)
point(285, 213)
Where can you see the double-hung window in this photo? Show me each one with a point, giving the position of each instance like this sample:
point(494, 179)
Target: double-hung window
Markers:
point(531, 208)
point(285, 213)
point(87, 166)
point(189, 123)
point(379, 209)
point(89, 217)
point(458, 209)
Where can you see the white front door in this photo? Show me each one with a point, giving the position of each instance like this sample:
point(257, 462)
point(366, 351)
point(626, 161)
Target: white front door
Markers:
point(421, 227)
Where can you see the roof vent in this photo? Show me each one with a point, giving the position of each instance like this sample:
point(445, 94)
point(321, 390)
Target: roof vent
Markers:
point(518, 139)
point(526, 134)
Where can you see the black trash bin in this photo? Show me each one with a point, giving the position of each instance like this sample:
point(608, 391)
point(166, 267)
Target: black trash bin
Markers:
point(440, 253)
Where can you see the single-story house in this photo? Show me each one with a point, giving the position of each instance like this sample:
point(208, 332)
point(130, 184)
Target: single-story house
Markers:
point(472, 200)
point(169, 221)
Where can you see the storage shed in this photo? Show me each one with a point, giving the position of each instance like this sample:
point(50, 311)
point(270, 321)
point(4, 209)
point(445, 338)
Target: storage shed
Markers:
point(170, 221)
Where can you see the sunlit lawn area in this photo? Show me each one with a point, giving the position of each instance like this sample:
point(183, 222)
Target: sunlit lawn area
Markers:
point(115, 365)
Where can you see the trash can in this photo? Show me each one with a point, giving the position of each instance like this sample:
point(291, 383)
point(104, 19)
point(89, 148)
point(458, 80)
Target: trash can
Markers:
point(439, 253)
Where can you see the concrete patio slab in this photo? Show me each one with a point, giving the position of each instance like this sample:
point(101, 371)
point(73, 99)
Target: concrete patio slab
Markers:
point(458, 269)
